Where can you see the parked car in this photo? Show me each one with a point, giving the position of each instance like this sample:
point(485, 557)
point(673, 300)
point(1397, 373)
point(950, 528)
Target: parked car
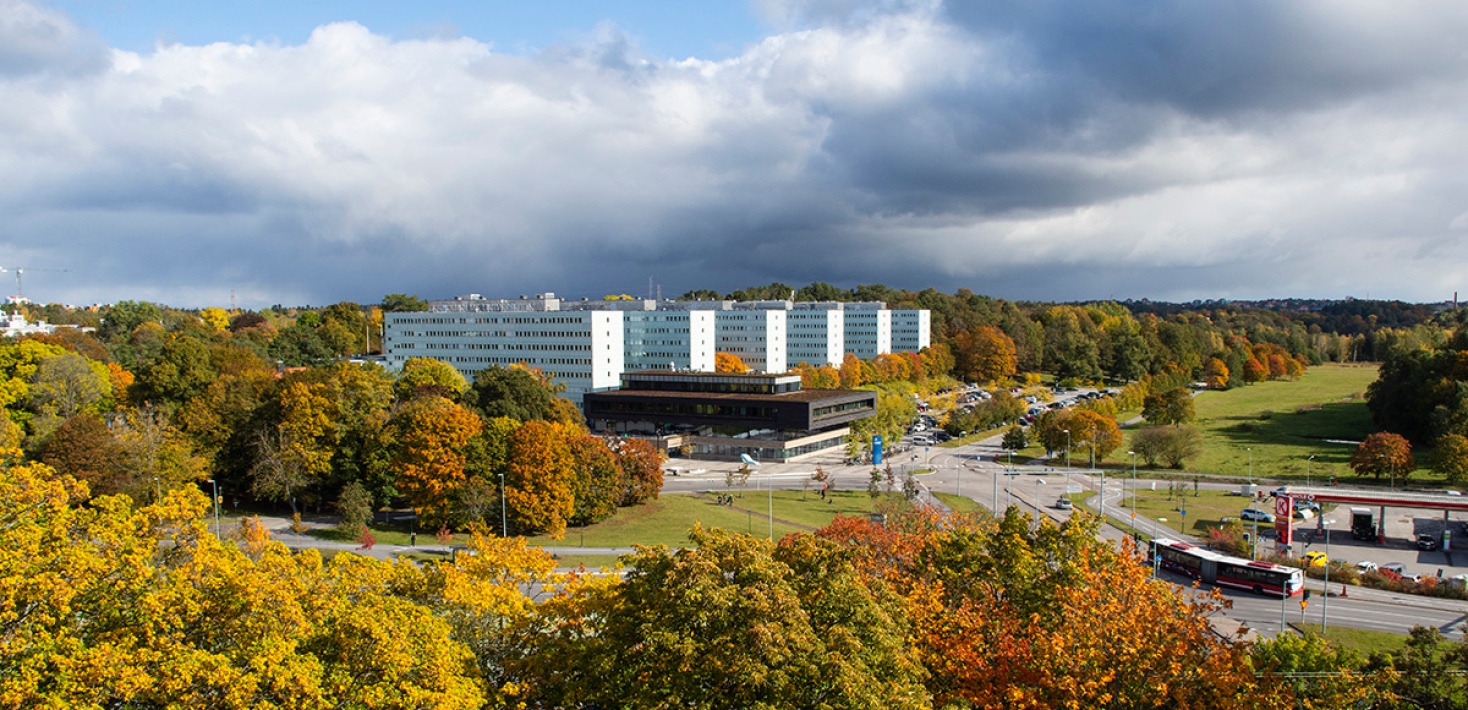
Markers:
point(1316, 558)
point(1365, 566)
point(1262, 516)
point(1426, 542)
point(1397, 570)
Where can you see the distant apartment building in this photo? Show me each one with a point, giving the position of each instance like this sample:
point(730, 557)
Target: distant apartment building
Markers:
point(815, 334)
point(911, 330)
point(868, 329)
point(587, 345)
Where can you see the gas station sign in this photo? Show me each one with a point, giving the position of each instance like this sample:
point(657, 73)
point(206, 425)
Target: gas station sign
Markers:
point(1284, 510)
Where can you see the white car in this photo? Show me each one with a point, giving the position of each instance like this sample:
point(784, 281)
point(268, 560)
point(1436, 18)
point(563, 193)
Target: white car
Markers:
point(1365, 566)
point(1262, 516)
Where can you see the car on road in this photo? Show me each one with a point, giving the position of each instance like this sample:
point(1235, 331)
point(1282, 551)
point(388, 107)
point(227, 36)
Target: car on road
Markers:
point(1316, 558)
point(1426, 542)
point(1064, 504)
point(1256, 514)
point(1397, 570)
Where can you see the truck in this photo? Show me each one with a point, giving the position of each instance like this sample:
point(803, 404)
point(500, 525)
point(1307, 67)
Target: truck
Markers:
point(1363, 524)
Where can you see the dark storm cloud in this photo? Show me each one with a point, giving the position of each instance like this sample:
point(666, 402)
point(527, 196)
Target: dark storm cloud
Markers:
point(1040, 150)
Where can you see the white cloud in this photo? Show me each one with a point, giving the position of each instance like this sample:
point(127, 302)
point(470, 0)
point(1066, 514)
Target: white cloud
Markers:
point(869, 142)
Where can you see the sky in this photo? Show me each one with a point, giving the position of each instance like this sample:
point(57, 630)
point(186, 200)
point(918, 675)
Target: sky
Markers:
point(264, 152)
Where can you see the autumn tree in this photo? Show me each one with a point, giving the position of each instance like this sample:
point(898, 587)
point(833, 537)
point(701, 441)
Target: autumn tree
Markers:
point(1174, 406)
point(118, 605)
point(1097, 432)
point(985, 354)
point(597, 486)
point(539, 479)
point(730, 622)
point(729, 362)
point(153, 456)
point(83, 448)
point(852, 373)
point(641, 464)
point(1384, 453)
point(425, 376)
point(1015, 439)
point(430, 436)
point(1215, 375)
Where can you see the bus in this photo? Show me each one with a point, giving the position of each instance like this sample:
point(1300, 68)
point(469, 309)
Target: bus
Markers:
point(1225, 571)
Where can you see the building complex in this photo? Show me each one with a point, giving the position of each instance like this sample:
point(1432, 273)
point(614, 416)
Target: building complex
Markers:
point(588, 345)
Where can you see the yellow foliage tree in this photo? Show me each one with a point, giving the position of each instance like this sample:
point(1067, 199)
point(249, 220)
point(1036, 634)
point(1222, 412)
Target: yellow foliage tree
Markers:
point(729, 362)
point(430, 435)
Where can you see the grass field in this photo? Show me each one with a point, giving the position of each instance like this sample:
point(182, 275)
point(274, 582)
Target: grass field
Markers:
point(666, 521)
point(1362, 641)
point(1280, 424)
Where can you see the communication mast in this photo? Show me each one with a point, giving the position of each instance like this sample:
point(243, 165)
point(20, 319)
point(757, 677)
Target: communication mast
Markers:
point(19, 296)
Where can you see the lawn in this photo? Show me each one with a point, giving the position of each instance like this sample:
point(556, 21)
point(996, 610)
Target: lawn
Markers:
point(1281, 424)
point(1362, 641)
point(666, 521)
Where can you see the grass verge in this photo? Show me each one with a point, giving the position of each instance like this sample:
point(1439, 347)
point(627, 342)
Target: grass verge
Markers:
point(1363, 641)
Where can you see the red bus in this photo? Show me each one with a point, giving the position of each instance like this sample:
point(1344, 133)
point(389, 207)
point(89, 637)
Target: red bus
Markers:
point(1225, 571)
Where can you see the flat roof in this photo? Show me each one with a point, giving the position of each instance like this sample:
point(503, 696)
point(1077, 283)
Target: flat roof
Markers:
point(796, 396)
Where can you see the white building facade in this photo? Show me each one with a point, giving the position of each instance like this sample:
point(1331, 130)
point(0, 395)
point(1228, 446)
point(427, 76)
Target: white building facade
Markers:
point(587, 345)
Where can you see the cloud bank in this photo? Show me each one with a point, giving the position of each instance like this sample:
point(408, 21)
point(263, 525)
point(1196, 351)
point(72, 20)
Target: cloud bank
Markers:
point(1039, 150)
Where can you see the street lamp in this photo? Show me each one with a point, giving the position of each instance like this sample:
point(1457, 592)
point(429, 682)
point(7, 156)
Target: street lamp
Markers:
point(504, 527)
point(1134, 490)
point(1251, 468)
point(1307, 469)
point(1325, 602)
point(215, 484)
point(1067, 460)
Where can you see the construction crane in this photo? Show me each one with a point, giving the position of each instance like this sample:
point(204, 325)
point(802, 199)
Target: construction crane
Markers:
point(19, 296)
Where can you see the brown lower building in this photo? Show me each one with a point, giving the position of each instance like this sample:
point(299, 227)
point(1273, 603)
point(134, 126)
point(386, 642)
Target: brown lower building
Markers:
point(721, 415)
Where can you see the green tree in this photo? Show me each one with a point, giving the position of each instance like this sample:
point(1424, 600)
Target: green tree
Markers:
point(510, 392)
point(426, 376)
point(399, 302)
point(1450, 457)
point(1014, 438)
point(1174, 406)
point(730, 622)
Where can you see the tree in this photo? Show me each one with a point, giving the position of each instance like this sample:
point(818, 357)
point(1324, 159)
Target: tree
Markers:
point(1170, 445)
point(83, 448)
point(214, 317)
point(430, 436)
point(1215, 375)
point(153, 456)
point(642, 470)
point(597, 485)
point(180, 372)
point(852, 373)
point(1450, 457)
point(985, 354)
point(539, 479)
point(399, 302)
point(1384, 453)
point(729, 362)
point(1014, 438)
point(1095, 431)
point(355, 508)
point(117, 605)
point(510, 392)
point(1174, 406)
point(730, 622)
point(66, 384)
point(425, 376)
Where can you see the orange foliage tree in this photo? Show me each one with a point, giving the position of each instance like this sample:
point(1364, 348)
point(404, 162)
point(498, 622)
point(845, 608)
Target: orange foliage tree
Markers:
point(985, 354)
point(642, 470)
point(539, 478)
point(430, 435)
point(729, 362)
point(1384, 453)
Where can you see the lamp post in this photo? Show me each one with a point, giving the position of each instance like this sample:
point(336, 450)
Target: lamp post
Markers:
point(1103, 473)
point(1307, 469)
point(1251, 468)
point(504, 528)
point(1067, 460)
point(215, 484)
point(1325, 594)
point(1038, 483)
point(1134, 490)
